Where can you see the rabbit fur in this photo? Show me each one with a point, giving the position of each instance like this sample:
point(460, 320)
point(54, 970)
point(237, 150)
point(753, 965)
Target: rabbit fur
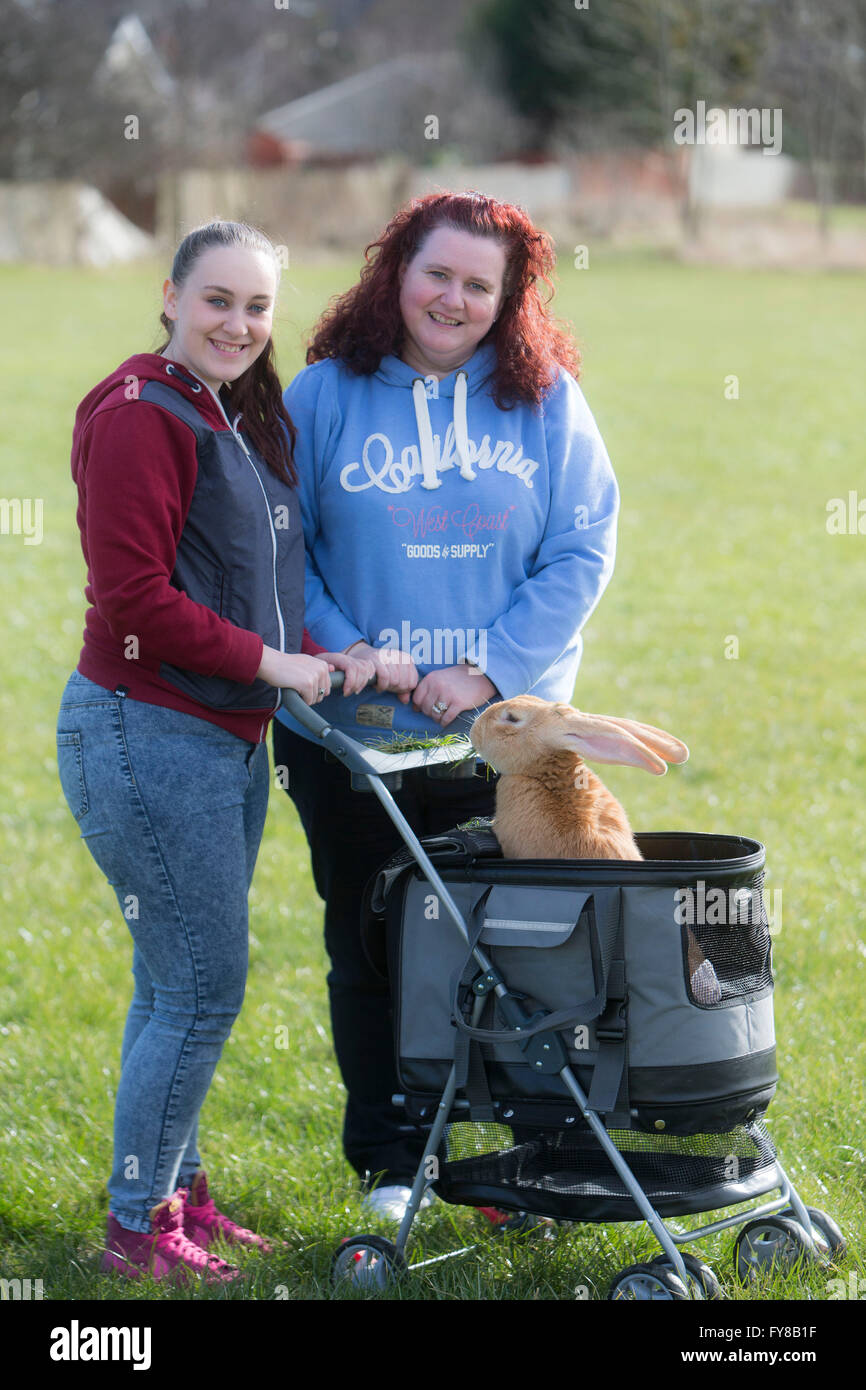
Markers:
point(550, 805)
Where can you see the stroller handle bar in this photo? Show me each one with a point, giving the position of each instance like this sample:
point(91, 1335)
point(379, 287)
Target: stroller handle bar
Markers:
point(357, 756)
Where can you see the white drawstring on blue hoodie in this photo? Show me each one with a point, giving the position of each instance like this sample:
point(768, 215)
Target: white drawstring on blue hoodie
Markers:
point(430, 478)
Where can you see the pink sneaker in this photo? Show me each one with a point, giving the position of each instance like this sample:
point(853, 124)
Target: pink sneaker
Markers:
point(204, 1224)
point(163, 1251)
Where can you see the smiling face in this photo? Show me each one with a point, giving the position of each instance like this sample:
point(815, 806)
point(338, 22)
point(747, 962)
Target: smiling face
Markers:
point(222, 313)
point(450, 295)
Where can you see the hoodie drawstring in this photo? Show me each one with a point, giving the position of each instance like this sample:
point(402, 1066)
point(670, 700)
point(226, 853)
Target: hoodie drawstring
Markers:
point(425, 435)
point(461, 427)
point(430, 480)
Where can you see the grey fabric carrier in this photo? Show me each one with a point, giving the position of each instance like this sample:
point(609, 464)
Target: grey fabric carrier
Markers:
point(225, 558)
point(606, 946)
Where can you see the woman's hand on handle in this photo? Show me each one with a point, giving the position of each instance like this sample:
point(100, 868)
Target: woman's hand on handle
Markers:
point(309, 675)
point(394, 670)
point(444, 695)
point(358, 670)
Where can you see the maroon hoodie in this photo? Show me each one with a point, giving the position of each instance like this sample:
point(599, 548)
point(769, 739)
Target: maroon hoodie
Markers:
point(135, 466)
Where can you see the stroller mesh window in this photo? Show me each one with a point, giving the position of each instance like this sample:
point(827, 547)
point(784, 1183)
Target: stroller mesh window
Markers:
point(470, 1140)
point(572, 1164)
point(727, 942)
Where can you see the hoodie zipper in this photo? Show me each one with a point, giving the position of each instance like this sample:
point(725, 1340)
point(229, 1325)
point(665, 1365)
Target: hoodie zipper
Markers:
point(234, 430)
point(280, 623)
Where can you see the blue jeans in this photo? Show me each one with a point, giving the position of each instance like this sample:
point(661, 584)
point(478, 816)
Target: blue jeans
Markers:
point(172, 809)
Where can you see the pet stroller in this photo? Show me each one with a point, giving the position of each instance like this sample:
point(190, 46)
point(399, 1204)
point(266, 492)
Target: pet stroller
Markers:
point(566, 1056)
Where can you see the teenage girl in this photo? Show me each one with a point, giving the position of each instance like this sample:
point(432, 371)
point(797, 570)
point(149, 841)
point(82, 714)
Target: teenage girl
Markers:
point(191, 534)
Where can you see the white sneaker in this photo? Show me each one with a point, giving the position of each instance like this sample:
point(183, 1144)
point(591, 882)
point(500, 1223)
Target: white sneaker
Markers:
point(392, 1201)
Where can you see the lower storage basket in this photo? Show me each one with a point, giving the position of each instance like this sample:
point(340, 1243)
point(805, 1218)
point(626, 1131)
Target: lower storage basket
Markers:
point(566, 1174)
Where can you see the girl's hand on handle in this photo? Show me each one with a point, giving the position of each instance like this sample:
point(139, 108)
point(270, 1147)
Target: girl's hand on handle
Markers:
point(358, 670)
point(309, 675)
point(394, 670)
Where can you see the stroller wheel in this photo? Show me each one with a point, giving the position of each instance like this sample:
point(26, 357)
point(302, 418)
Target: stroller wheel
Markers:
point(828, 1238)
point(699, 1273)
point(366, 1262)
point(771, 1243)
point(648, 1282)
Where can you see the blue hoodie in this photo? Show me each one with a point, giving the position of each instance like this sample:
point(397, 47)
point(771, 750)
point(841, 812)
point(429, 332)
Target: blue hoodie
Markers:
point(436, 522)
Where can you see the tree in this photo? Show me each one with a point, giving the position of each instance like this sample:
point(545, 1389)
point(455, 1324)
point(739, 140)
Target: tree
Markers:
point(616, 72)
point(816, 71)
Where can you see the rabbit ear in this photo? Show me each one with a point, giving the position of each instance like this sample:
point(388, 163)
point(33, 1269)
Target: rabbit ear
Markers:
point(668, 747)
point(603, 740)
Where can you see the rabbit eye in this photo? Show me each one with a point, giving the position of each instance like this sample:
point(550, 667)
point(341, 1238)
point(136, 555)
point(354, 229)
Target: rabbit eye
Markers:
point(511, 718)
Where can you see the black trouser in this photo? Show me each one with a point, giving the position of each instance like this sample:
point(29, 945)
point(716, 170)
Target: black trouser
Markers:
point(350, 836)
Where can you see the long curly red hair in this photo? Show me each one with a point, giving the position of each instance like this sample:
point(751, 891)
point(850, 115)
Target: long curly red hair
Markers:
point(365, 324)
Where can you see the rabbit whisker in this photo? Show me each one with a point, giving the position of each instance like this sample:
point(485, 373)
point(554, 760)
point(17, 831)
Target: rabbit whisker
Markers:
point(468, 716)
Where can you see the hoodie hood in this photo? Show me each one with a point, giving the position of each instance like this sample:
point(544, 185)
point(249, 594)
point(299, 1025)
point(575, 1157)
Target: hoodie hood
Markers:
point(476, 372)
point(457, 386)
point(125, 383)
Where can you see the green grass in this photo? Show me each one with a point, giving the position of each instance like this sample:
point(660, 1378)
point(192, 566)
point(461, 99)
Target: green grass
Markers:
point(413, 743)
point(845, 216)
point(723, 537)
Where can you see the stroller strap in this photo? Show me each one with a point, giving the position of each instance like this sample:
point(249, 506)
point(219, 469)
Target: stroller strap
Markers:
point(604, 928)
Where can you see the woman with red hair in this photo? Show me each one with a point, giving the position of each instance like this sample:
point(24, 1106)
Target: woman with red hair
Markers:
point(459, 512)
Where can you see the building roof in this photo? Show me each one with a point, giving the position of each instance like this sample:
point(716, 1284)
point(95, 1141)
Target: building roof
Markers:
point(130, 56)
point(365, 112)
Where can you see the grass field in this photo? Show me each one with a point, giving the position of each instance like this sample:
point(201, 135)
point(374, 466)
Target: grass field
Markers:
point(723, 535)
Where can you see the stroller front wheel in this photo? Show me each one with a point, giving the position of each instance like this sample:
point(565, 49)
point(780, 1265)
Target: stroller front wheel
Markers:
point(641, 1283)
point(771, 1245)
point(698, 1272)
point(830, 1242)
point(366, 1262)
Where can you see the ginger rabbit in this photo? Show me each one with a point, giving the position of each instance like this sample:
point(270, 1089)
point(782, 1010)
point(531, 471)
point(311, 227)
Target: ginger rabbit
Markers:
point(550, 805)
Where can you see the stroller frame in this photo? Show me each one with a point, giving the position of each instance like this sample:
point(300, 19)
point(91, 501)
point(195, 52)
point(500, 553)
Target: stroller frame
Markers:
point(375, 770)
